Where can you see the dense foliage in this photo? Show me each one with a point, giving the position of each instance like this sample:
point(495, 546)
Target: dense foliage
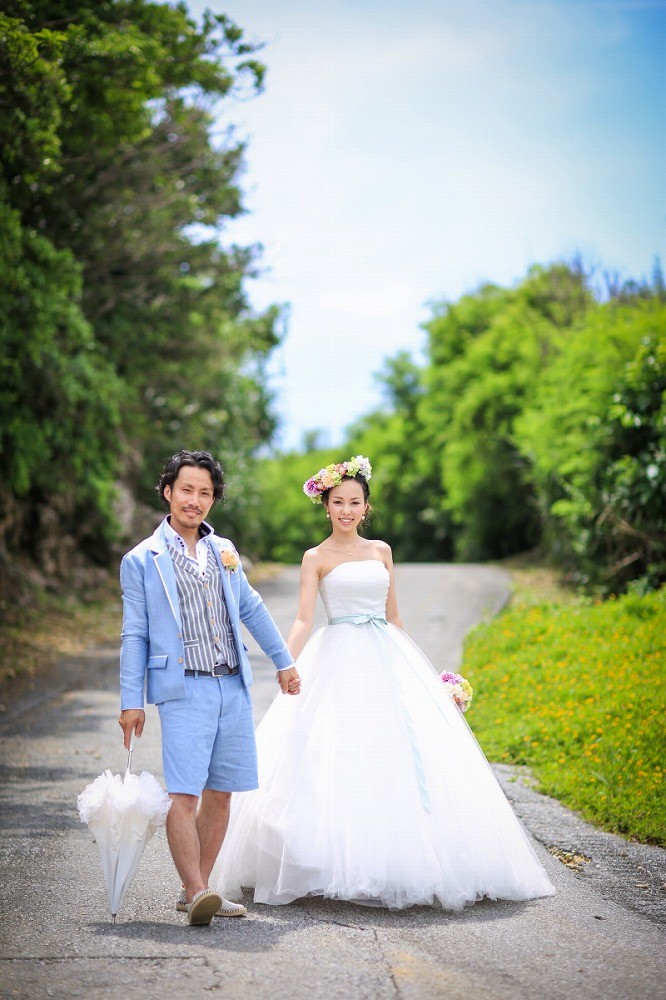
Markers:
point(575, 692)
point(538, 420)
point(596, 442)
point(124, 328)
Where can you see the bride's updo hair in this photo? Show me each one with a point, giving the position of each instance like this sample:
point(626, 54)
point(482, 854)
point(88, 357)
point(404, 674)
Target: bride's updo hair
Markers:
point(358, 478)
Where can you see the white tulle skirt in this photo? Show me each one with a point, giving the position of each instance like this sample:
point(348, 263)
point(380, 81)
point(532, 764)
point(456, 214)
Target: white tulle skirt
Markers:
point(373, 789)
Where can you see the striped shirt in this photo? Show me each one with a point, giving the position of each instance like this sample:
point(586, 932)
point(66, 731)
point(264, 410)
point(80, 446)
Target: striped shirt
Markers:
point(207, 634)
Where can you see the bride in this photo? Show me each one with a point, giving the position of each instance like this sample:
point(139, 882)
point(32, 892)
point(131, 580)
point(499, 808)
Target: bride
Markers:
point(372, 787)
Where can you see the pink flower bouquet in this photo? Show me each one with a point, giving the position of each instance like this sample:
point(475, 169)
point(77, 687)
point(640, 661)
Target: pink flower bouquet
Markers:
point(459, 688)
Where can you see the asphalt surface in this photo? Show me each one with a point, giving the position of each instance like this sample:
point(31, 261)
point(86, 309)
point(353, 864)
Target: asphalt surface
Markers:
point(600, 937)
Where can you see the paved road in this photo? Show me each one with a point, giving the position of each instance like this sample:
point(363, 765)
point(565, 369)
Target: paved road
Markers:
point(599, 937)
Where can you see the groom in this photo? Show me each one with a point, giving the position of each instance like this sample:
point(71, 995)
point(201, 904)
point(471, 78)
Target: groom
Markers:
point(184, 597)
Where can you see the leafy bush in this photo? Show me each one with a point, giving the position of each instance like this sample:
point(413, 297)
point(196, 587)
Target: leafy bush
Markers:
point(59, 397)
point(287, 521)
point(487, 354)
point(537, 421)
point(596, 442)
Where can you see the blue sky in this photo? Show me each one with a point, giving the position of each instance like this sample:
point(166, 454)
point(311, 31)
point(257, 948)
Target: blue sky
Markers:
point(405, 152)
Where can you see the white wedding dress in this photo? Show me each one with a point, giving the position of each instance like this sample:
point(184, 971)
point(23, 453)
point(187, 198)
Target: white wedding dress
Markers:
point(372, 787)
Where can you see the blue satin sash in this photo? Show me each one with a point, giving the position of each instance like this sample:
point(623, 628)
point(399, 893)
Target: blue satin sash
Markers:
point(358, 620)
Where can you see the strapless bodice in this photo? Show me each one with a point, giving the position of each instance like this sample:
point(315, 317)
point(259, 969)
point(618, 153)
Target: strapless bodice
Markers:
point(355, 588)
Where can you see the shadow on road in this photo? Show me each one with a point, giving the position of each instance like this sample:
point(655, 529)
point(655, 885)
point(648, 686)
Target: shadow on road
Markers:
point(266, 927)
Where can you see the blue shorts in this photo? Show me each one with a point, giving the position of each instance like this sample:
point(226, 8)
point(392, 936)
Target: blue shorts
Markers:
point(208, 737)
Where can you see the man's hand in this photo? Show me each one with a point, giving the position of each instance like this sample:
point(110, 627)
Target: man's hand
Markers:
point(289, 681)
point(131, 719)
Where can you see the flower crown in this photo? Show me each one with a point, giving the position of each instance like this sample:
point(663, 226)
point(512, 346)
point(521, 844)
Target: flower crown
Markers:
point(333, 475)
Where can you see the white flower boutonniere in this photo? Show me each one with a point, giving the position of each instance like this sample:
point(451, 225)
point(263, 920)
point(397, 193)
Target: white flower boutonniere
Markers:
point(230, 560)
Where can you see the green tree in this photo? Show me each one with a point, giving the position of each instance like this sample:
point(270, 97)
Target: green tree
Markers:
point(595, 441)
point(33, 90)
point(59, 396)
point(407, 512)
point(486, 355)
point(113, 163)
point(539, 417)
point(287, 522)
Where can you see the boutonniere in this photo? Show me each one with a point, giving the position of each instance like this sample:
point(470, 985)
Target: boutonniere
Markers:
point(230, 560)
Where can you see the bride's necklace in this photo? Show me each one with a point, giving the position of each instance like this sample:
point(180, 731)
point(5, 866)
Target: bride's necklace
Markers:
point(343, 548)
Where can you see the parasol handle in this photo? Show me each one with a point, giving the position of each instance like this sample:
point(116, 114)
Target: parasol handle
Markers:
point(129, 759)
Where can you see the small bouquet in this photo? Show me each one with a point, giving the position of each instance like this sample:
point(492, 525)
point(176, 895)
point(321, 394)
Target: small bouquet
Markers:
point(459, 688)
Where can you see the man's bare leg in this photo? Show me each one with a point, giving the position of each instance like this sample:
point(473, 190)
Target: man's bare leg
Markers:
point(212, 823)
point(183, 839)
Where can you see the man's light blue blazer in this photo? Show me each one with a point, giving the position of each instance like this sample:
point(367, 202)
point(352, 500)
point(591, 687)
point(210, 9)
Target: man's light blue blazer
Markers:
point(152, 654)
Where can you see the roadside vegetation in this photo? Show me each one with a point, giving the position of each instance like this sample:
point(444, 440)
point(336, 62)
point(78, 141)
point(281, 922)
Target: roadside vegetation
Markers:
point(126, 331)
point(34, 638)
point(538, 419)
point(573, 689)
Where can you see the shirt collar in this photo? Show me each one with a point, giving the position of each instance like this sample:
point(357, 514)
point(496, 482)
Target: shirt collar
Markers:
point(173, 538)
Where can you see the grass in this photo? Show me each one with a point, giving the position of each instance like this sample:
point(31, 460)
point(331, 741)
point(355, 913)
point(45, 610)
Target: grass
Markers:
point(535, 581)
point(574, 689)
point(54, 626)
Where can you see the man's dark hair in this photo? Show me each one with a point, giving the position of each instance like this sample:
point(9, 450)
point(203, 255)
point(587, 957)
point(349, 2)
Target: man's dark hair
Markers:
point(198, 459)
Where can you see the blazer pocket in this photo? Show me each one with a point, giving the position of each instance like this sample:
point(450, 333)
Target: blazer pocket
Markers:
point(157, 662)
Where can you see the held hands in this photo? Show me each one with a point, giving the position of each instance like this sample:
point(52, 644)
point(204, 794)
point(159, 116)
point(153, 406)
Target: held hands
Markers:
point(289, 681)
point(131, 719)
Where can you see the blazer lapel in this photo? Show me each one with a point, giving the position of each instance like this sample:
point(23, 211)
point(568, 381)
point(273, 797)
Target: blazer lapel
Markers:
point(164, 566)
point(232, 606)
point(226, 584)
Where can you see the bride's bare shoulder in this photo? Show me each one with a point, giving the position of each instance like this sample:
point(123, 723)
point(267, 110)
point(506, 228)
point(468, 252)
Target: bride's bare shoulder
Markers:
point(312, 556)
point(316, 559)
point(382, 548)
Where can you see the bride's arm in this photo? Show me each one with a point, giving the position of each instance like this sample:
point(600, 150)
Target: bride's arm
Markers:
point(300, 630)
point(392, 613)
